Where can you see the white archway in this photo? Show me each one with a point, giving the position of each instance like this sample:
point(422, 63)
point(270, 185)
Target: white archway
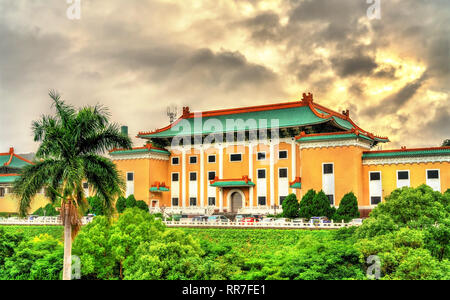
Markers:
point(230, 193)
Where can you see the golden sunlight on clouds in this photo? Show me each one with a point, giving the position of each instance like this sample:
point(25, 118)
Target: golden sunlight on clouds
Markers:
point(138, 56)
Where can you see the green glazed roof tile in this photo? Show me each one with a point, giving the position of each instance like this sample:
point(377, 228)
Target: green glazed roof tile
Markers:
point(438, 151)
point(232, 183)
point(297, 185)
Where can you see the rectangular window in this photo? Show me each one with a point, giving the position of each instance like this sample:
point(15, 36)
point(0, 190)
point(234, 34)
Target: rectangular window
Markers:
point(375, 200)
point(174, 201)
point(175, 177)
point(262, 200)
point(193, 176)
point(193, 201)
point(175, 161)
point(282, 199)
point(2, 192)
point(211, 158)
point(130, 176)
point(283, 154)
point(374, 176)
point(433, 180)
point(327, 168)
point(331, 199)
point(403, 175)
point(211, 175)
point(261, 156)
point(261, 174)
point(212, 201)
point(193, 160)
point(282, 173)
point(235, 157)
point(432, 174)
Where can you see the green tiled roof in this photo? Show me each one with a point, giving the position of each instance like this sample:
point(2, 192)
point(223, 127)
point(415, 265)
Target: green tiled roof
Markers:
point(232, 183)
point(158, 190)
point(4, 159)
point(17, 163)
point(8, 179)
point(296, 185)
point(406, 153)
point(134, 151)
point(332, 137)
point(285, 117)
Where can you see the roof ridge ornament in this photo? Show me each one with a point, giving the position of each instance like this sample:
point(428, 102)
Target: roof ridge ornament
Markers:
point(307, 98)
point(186, 111)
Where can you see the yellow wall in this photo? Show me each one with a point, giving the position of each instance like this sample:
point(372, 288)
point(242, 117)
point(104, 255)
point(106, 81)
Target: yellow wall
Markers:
point(347, 169)
point(141, 169)
point(10, 203)
point(389, 177)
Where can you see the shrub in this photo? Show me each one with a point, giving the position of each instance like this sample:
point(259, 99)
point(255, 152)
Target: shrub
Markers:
point(348, 208)
point(321, 206)
point(49, 210)
point(306, 205)
point(131, 201)
point(407, 207)
point(291, 207)
point(121, 205)
point(40, 258)
point(96, 206)
point(142, 205)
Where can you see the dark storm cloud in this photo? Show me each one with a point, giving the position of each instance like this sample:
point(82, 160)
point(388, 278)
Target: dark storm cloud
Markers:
point(393, 103)
point(359, 65)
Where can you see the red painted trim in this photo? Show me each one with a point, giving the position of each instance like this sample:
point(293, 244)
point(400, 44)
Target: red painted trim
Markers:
point(8, 175)
point(230, 111)
point(306, 101)
point(408, 150)
point(24, 159)
point(159, 184)
point(244, 178)
point(149, 147)
point(297, 180)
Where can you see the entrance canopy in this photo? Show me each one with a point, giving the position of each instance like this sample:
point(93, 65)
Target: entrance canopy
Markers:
point(296, 184)
point(159, 188)
point(242, 182)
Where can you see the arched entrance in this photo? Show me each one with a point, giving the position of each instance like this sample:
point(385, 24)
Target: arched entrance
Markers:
point(236, 202)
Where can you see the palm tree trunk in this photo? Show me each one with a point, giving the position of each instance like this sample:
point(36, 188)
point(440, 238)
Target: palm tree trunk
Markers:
point(67, 269)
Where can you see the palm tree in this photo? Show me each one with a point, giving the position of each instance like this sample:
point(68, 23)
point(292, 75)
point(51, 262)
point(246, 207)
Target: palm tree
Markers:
point(72, 142)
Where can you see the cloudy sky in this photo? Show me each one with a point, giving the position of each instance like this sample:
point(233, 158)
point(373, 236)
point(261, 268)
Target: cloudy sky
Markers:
point(139, 56)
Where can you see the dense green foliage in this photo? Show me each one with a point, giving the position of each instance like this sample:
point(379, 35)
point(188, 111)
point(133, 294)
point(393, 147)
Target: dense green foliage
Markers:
point(121, 204)
point(39, 258)
point(142, 205)
point(291, 207)
point(409, 233)
point(306, 205)
point(49, 210)
point(348, 208)
point(131, 201)
point(96, 206)
point(321, 206)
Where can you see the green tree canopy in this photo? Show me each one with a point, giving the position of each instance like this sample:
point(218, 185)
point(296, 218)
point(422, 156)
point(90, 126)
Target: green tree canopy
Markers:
point(96, 206)
point(121, 204)
point(348, 208)
point(131, 201)
point(306, 205)
point(291, 206)
point(142, 205)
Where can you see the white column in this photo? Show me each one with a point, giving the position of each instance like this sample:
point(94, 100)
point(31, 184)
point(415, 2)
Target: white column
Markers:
point(250, 174)
point(294, 162)
point(183, 178)
point(271, 175)
point(221, 176)
point(202, 177)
